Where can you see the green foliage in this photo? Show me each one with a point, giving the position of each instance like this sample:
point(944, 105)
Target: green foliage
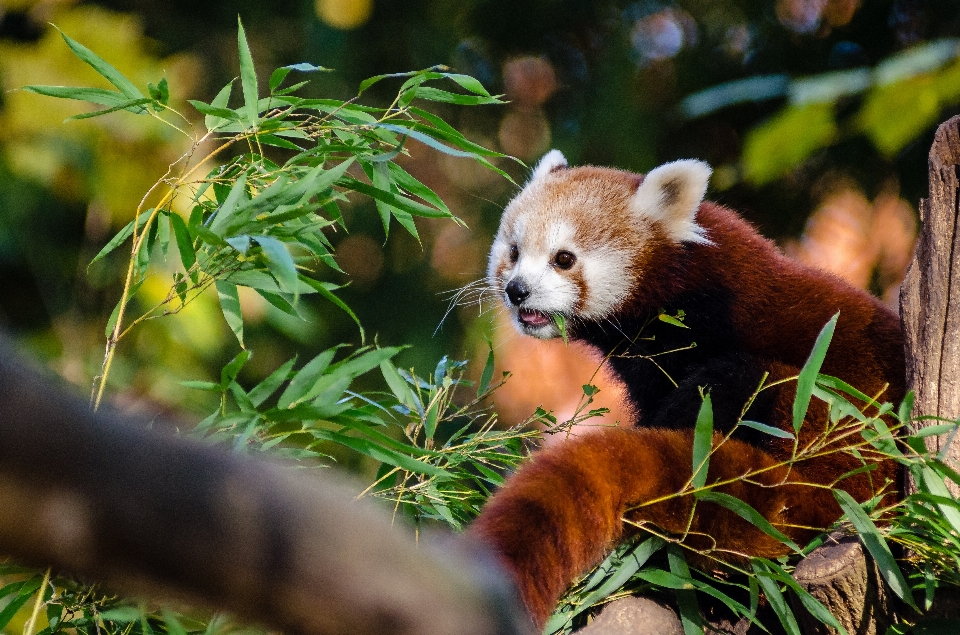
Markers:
point(902, 96)
point(257, 219)
point(788, 139)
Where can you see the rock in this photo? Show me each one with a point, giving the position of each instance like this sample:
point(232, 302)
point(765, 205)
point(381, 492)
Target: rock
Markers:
point(635, 616)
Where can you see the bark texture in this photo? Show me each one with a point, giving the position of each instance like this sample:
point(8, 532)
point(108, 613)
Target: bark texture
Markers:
point(930, 295)
point(848, 583)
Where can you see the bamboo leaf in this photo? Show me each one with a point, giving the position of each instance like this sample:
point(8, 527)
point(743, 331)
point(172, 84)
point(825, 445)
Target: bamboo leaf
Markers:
point(628, 566)
point(128, 105)
point(111, 74)
point(748, 513)
point(248, 76)
point(162, 93)
point(905, 412)
point(230, 371)
point(687, 604)
point(435, 94)
point(363, 362)
point(223, 114)
point(381, 181)
point(261, 280)
point(262, 391)
point(384, 440)
point(173, 625)
point(561, 322)
point(115, 100)
point(306, 378)
point(405, 204)
point(384, 455)
point(430, 419)
point(421, 135)
point(281, 303)
point(839, 407)
point(229, 205)
point(669, 319)
point(808, 375)
point(230, 305)
point(273, 140)
point(932, 431)
point(399, 387)
point(121, 236)
point(188, 256)
point(809, 602)
point(212, 120)
point(772, 431)
point(280, 263)
point(24, 594)
point(370, 81)
point(487, 373)
point(404, 180)
point(775, 597)
point(470, 83)
point(876, 545)
point(934, 484)
point(841, 386)
point(277, 76)
point(702, 443)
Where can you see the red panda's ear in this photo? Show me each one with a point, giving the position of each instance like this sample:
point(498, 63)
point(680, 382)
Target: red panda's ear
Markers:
point(550, 162)
point(671, 195)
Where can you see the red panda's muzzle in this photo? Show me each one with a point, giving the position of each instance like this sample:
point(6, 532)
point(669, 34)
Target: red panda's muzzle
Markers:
point(534, 319)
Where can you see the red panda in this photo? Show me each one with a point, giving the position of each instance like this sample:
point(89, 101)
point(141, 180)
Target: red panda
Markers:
point(609, 251)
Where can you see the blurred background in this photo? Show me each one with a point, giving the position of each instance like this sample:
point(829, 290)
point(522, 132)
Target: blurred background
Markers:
point(817, 116)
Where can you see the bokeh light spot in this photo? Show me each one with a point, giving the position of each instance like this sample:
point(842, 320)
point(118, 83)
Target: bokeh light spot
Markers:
point(344, 14)
point(361, 257)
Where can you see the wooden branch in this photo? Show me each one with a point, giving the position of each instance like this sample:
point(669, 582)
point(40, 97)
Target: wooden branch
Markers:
point(150, 513)
point(930, 295)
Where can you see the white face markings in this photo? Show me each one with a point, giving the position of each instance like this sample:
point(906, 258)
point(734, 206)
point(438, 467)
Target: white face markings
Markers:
point(602, 224)
point(608, 280)
point(551, 289)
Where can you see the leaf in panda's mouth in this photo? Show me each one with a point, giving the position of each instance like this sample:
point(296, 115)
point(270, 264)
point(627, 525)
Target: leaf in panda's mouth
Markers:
point(561, 323)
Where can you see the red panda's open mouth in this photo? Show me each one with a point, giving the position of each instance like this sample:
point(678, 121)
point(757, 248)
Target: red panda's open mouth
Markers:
point(535, 319)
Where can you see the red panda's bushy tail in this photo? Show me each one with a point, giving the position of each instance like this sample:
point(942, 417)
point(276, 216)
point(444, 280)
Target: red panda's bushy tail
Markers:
point(562, 511)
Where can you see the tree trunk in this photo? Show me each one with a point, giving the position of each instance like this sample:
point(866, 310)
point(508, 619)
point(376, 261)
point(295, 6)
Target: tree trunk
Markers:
point(930, 295)
point(846, 581)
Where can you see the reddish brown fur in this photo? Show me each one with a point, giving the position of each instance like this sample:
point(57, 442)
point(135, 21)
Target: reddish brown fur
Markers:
point(563, 510)
point(781, 304)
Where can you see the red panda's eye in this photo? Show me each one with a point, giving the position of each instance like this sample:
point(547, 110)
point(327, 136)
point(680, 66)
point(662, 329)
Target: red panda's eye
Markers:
point(514, 253)
point(564, 259)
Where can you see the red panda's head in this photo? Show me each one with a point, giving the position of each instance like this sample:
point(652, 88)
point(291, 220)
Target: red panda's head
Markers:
point(574, 241)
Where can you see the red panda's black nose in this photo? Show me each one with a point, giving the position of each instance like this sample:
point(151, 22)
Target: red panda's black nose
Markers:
point(517, 292)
